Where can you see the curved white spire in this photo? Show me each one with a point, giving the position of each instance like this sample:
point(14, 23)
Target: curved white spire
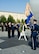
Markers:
point(27, 9)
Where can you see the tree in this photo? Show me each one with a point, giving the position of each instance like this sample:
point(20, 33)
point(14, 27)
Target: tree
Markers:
point(3, 19)
point(11, 19)
point(22, 21)
point(0, 19)
point(18, 21)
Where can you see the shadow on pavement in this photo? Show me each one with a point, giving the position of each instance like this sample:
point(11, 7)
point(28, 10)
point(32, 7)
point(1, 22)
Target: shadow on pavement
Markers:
point(12, 42)
point(4, 38)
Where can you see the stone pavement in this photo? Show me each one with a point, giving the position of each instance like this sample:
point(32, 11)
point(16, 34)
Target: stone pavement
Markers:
point(21, 49)
point(14, 46)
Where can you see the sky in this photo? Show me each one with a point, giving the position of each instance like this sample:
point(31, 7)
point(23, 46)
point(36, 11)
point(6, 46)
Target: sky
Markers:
point(13, 5)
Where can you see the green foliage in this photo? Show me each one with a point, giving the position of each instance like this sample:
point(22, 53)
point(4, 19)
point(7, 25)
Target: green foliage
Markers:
point(18, 21)
point(21, 27)
point(0, 19)
point(10, 19)
point(22, 21)
point(3, 19)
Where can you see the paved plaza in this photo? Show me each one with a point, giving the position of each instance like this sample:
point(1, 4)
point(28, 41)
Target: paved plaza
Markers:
point(15, 46)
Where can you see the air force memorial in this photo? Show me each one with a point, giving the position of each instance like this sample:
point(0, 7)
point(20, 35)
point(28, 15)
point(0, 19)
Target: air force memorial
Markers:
point(29, 29)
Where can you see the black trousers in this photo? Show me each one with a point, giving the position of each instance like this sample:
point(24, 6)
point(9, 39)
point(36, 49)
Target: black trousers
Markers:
point(33, 42)
point(18, 34)
point(9, 34)
point(12, 33)
point(6, 29)
point(2, 28)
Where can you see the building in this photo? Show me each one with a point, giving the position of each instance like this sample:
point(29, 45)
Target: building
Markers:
point(17, 15)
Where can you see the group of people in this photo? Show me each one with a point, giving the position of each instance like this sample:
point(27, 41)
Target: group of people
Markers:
point(12, 27)
point(26, 30)
point(4, 26)
point(33, 30)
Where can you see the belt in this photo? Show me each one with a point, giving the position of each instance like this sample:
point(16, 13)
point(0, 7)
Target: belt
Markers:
point(34, 31)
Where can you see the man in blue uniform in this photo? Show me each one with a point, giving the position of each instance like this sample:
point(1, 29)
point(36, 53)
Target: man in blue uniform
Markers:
point(34, 34)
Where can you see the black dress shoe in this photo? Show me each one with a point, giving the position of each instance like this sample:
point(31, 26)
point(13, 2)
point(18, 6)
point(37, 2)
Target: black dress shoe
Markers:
point(34, 49)
point(9, 37)
point(12, 36)
point(27, 37)
point(31, 48)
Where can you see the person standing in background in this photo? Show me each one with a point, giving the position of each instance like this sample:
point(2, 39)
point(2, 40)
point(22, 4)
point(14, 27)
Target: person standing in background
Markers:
point(18, 25)
point(6, 26)
point(9, 29)
point(12, 28)
point(2, 26)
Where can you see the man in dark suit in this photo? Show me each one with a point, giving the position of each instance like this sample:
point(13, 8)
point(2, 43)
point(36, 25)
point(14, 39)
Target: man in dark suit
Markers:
point(6, 27)
point(9, 29)
point(12, 28)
